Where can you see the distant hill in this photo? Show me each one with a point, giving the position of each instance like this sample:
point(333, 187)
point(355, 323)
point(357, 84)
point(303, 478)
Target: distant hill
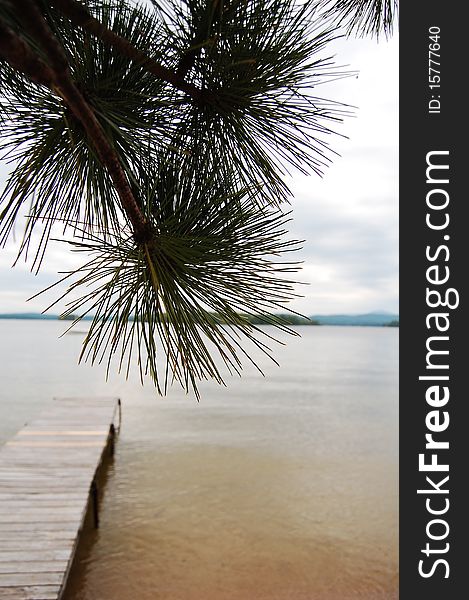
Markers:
point(367, 320)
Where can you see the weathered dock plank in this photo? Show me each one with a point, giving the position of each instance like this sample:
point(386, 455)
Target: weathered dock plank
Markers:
point(33, 566)
point(47, 474)
point(36, 592)
point(47, 553)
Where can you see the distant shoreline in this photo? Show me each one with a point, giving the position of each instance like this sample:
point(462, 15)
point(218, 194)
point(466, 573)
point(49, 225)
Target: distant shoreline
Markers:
point(363, 320)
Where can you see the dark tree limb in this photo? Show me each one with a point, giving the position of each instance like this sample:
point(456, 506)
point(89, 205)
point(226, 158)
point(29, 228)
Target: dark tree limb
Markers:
point(80, 16)
point(56, 76)
point(20, 56)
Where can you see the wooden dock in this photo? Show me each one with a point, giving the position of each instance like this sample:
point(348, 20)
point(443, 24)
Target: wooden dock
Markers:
point(47, 484)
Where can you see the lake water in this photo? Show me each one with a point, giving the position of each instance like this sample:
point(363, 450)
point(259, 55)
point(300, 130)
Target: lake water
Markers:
point(283, 488)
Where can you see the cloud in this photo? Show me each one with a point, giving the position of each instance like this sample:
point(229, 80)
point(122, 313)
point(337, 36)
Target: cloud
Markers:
point(349, 218)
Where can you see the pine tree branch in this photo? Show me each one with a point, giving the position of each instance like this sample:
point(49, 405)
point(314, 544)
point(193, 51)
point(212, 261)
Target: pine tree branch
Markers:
point(20, 56)
point(80, 16)
point(61, 82)
point(188, 59)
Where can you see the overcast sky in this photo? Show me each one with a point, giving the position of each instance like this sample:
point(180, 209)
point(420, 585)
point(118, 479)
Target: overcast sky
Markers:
point(349, 218)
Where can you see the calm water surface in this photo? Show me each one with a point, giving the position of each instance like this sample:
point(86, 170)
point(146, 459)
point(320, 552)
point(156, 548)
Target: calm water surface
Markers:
point(283, 488)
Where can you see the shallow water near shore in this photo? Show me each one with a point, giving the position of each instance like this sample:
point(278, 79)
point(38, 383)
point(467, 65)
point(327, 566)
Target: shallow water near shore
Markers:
point(274, 488)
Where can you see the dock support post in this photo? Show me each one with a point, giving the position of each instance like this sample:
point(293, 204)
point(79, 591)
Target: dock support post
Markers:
point(112, 441)
point(95, 500)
